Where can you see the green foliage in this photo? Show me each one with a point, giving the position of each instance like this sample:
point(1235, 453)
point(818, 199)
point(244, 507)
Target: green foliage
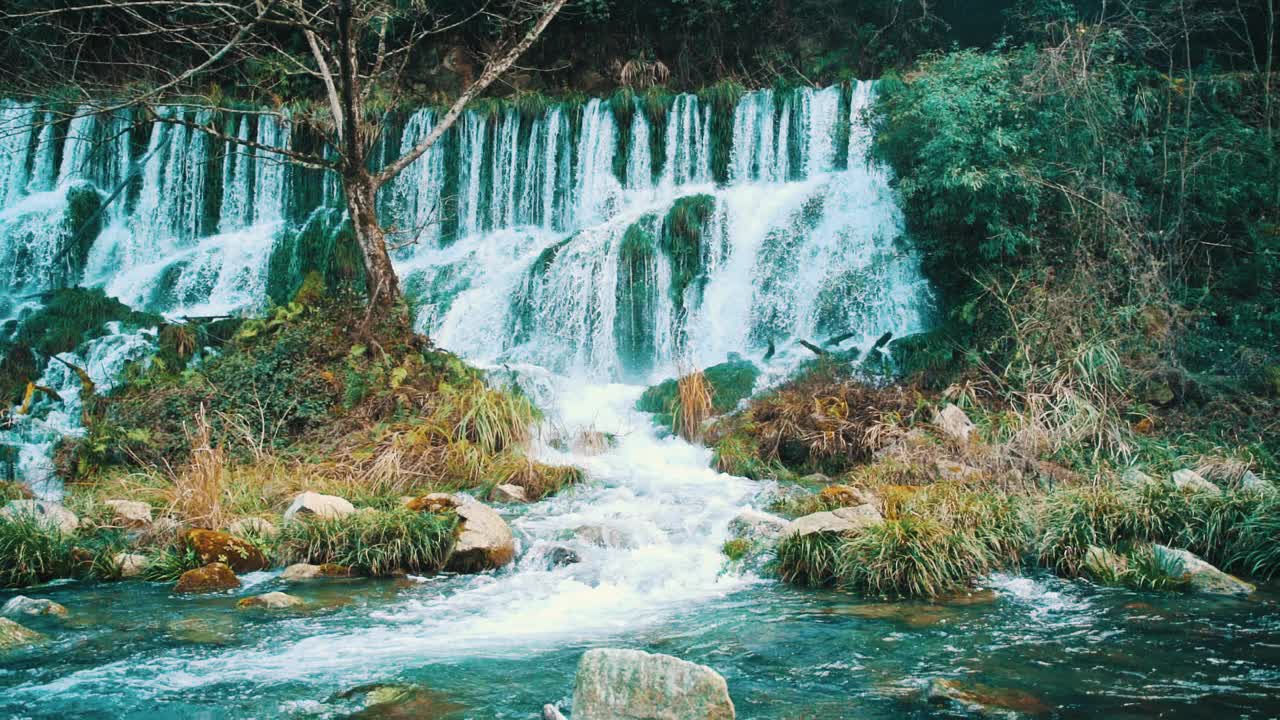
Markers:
point(681, 241)
point(914, 557)
point(171, 562)
point(730, 382)
point(809, 559)
point(376, 543)
point(31, 552)
point(736, 549)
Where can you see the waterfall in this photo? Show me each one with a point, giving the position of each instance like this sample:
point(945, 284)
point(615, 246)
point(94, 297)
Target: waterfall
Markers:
point(613, 259)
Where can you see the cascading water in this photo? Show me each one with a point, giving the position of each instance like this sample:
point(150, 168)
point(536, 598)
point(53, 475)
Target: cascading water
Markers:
point(575, 249)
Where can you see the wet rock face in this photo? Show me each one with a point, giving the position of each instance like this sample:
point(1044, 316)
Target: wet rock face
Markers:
point(327, 507)
point(219, 547)
point(614, 684)
point(48, 514)
point(214, 577)
point(754, 525)
point(23, 605)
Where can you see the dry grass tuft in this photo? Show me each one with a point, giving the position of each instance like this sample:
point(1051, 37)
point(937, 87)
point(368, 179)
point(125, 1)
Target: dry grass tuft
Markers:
point(198, 487)
point(696, 405)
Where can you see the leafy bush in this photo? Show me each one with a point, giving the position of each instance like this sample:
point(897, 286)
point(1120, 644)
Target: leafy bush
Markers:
point(373, 543)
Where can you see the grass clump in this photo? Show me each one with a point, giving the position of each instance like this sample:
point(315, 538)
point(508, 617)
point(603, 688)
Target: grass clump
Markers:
point(538, 479)
point(736, 549)
point(913, 557)
point(375, 543)
point(683, 404)
point(171, 562)
point(31, 553)
point(810, 559)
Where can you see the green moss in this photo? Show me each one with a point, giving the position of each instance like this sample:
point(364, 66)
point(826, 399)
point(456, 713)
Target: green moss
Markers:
point(730, 383)
point(681, 241)
point(634, 327)
point(325, 245)
point(736, 549)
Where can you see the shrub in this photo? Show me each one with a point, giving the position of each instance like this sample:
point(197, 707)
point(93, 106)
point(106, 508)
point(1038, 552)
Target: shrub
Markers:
point(171, 562)
point(31, 552)
point(912, 557)
point(375, 543)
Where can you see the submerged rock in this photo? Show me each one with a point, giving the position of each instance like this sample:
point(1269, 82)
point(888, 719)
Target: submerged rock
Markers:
point(603, 536)
point(130, 513)
point(50, 515)
point(1202, 576)
point(213, 546)
point(913, 615)
point(841, 520)
point(1192, 481)
point(305, 571)
point(13, 635)
point(203, 630)
point(327, 507)
point(23, 605)
point(484, 542)
point(953, 423)
point(130, 564)
point(983, 700)
point(402, 701)
point(629, 684)
point(271, 601)
point(559, 556)
point(214, 577)
point(509, 494)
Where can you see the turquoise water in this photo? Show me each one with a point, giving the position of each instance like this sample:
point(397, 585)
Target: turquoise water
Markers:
point(127, 650)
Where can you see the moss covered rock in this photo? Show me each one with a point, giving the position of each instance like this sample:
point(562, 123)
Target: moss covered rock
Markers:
point(219, 547)
point(730, 382)
point(214, 577)
point(13, 635)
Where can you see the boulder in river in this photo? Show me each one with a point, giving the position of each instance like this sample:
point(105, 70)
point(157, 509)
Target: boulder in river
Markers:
point(559, 556)
point(42, 512)
point(1192, 481)
point(326, 507)
point(23, 605)
point(213, 546)
point(1202, 576)
point(130, 513)
point(840, 520)
point(271, 601)
point(613, 684)
point(305, 571)
point(13, 635)
point(214, 577)
point(484, 541)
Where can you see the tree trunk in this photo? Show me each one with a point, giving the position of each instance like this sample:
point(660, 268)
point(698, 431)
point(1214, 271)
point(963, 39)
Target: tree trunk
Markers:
point(380, 276)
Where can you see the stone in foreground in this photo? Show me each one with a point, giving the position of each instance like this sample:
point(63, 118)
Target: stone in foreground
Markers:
point(214, 577)
point(213, 546)
point(953, 423)
point(1203, 577)
point(13, 635)
point(485, 541)
point(271, 601)
point(47, 514)
point(841, 520)
point(634, 685)
point(23, 605)
point(326, 507)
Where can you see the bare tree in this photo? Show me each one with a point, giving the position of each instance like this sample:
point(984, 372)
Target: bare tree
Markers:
point(348, 50)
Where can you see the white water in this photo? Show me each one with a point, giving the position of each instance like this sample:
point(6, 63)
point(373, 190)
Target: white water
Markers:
point(791, 248)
